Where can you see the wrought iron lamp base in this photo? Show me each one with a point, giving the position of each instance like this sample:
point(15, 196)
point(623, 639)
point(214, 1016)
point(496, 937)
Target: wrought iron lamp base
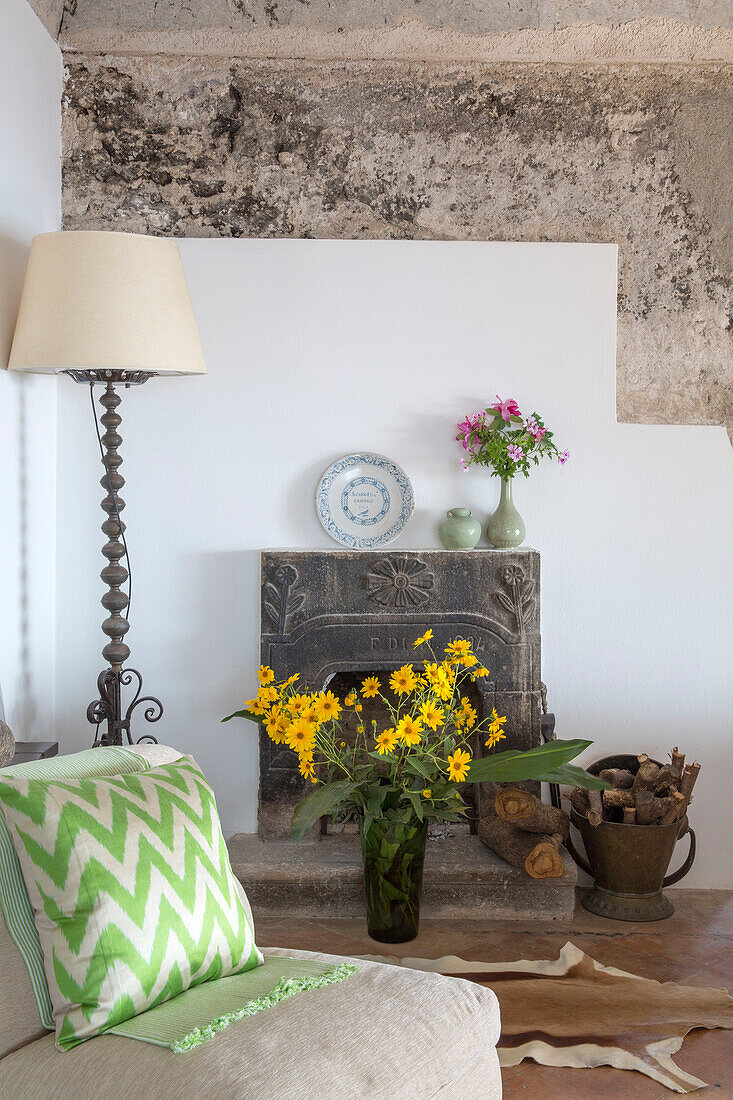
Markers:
point(108, 708)
point(106, 711)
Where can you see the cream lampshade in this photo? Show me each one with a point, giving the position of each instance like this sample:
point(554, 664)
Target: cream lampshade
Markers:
point(109, 308)
point(106, 301)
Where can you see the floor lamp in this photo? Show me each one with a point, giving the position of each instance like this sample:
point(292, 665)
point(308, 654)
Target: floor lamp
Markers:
point(113, 309)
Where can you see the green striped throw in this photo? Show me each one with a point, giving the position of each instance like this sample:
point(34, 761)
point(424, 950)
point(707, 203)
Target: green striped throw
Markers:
point(132, 889)
point(16, 907)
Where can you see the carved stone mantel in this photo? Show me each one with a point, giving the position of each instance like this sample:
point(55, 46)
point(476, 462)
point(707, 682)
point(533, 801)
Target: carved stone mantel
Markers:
point(330, 611)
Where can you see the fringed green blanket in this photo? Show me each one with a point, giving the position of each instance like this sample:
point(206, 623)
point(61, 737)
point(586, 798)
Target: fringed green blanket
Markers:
point(202, 1012)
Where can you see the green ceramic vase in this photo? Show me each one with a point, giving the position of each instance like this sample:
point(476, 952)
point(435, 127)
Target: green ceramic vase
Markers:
point(506, 527)
point(459, 530)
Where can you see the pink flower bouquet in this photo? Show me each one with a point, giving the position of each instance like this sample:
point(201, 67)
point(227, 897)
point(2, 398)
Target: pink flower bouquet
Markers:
point(507, 442)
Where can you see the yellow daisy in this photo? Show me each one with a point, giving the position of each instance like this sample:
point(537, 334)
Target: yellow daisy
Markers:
point(292, 679)
point(409, 730)
point(301, 736)
point(386, 741)
point(327, 706)
point(276, 725)
point(468, 713)
point(268, 694)
point(298, 704)
point(255, 706)
point(421, 641)
point(458, 648)
point(431, 672)
point(403, 681)
point(350, 699)
point(493, 739)
point(427, 793)
point(431, 715)
point(481, 671)
point(458, 765)
point(370, 687)
point(265, 675)
point(496, 722)
point(306, 767)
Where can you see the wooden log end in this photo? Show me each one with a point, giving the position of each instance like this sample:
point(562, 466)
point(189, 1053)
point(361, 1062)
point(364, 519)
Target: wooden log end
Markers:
point(545, 861)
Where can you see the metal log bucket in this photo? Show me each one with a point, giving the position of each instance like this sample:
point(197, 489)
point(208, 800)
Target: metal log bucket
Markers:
point(629, 862)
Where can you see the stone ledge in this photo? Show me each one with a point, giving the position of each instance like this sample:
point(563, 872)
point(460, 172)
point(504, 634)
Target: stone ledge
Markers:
point(322, 878)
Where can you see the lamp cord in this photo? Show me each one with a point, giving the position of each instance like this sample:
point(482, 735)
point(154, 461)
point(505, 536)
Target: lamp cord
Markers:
point(113, 494)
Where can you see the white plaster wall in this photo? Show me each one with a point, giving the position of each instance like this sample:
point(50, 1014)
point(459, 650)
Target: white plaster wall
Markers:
point(318, 348)
point(30, 191)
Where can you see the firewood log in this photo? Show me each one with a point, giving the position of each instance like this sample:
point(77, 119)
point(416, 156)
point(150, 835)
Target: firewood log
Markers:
point(578, 799)
point(688, 780)
point(668, 779)
point(535, 853)
point(523, 809)
point(646, 776)
point(676, 808)
point(629, 815)
point(649, 808)
point(617, 800)
point(678, 760)
point(595, 813)
point(617, 777)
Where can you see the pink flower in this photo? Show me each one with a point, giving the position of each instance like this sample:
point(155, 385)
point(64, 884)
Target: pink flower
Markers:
point(466, 427)
point(464, 465)
point(562, 459)
point(534, 429)
point(514, 452)
point(506, 408)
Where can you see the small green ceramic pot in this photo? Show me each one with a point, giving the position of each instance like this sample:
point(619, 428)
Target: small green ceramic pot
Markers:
point(459, 530)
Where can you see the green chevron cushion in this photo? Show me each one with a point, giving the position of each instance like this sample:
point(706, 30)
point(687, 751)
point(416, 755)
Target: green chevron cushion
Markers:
point(133, 894)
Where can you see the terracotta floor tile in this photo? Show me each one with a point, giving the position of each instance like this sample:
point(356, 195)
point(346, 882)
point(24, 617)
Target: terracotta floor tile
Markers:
point(532, 1087)
point(601, 1083)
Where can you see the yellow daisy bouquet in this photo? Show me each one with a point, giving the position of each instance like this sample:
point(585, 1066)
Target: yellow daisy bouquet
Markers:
point(398, 774)
point(418, 761)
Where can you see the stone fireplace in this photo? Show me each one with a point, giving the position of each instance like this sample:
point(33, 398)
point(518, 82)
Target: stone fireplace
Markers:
point(336, 616)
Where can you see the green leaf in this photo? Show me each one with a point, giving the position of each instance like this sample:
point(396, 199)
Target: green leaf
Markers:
point(571, 776)
point(325, 800)
point(243, 714)
point(419, 767)
point(514, 767)
point(416, 801)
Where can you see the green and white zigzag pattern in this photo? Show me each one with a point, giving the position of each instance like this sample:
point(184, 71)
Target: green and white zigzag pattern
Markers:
point(17, 909)
point(133, 891)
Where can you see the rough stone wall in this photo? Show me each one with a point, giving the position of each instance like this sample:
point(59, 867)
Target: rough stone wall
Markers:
point(638, 155)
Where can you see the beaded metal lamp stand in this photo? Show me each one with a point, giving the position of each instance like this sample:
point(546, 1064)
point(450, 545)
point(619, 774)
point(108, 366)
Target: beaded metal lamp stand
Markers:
point(108, 707)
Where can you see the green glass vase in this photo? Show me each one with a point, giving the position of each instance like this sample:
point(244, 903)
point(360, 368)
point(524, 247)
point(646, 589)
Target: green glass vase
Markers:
point(506, 527)
point(393, 852)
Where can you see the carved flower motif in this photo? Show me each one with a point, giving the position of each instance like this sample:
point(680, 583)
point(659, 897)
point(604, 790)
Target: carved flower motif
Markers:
point(399, 582)
point(286, 575)
point(513, 574)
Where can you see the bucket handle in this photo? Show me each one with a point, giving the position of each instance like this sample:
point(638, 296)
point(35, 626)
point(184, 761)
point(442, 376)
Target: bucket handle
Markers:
point(582, 863)
point(671, 879)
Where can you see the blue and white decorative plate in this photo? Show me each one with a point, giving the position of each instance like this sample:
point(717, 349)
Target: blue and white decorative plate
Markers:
point(364, 501)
